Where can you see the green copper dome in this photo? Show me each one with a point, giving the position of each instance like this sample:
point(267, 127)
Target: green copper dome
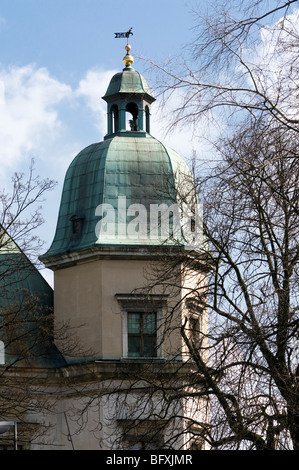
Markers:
point(123, 170)
point(128, 81)
point(111, 187)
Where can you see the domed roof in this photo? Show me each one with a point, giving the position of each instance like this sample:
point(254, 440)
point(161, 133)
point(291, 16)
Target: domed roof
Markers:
point(128, 173)
point(119, 172)
point(128, 81)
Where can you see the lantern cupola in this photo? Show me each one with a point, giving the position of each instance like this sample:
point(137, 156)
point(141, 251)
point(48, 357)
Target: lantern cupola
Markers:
point(128, 99)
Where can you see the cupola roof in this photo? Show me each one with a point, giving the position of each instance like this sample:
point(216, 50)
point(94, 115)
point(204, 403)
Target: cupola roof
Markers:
point(129, 171)
point(128, 81)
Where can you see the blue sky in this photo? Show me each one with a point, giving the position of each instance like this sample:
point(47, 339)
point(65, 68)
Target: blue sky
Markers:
point(56, 60)
point(71, 36)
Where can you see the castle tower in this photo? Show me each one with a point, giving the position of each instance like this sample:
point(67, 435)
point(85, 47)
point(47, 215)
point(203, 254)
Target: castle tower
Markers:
point(110, 240)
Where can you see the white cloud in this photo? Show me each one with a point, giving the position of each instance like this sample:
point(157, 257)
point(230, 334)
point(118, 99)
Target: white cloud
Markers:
point(277, 63)
point(92, 87)
point(28, 111)
point(187, 137)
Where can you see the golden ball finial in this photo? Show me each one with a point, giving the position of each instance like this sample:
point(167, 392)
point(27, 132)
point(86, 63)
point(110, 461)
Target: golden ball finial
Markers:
point(128, 59)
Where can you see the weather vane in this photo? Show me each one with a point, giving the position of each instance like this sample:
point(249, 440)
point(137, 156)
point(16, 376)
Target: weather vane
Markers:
point(124, 35)
point(128, 59)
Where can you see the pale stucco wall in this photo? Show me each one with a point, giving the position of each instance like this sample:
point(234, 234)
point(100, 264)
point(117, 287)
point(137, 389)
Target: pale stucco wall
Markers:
point(84, 296)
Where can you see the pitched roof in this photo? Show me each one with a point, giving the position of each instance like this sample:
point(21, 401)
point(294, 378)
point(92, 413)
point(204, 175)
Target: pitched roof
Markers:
point(26, 303)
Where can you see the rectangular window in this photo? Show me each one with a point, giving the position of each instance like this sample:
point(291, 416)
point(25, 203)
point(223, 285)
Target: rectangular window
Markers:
point(142, 334)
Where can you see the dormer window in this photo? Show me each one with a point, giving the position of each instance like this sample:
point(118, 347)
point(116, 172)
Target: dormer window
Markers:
point(77, 223)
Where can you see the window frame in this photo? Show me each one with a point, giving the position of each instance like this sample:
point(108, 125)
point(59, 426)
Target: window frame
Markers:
point(142, 334)
point(139, 303)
